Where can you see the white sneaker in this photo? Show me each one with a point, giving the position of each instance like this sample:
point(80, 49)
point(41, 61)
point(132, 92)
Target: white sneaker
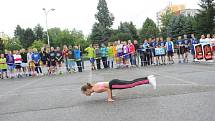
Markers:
point(152, 81)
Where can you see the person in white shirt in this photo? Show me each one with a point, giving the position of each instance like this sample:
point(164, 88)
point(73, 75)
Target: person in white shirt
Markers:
point(31, 66)
point(18, 62)
point(202, 40)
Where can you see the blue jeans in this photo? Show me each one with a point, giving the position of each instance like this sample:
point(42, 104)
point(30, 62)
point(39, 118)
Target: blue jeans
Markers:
point(71, 64)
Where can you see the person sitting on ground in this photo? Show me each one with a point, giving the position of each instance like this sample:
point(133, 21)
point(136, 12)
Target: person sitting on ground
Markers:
point(100, 87)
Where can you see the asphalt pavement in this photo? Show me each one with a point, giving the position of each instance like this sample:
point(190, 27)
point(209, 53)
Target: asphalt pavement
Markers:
point(185, 92)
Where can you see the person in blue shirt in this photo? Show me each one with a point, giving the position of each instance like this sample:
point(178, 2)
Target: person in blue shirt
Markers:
point(186, 48)
point(180, 49)
point(162, 45)
point(36, 58)
point(144, 56)
point(152, 46)
point(77, 54)
point(170, 50)
point(11, 64)
point(104, 55)
point(193, 41)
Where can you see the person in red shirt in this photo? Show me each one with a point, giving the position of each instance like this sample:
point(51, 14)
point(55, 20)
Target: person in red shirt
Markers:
point(65, 56)
point(131, 53)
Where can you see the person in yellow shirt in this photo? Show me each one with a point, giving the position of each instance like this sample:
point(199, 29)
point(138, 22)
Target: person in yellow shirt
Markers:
point(110, 55)
point(91, 56)
point(3, 66)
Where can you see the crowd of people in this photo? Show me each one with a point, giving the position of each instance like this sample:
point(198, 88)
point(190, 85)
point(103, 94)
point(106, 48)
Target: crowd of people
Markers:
point(119, 54)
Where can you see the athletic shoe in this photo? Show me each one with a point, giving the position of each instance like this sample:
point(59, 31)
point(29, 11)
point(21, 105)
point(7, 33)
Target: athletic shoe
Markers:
point(152, 81)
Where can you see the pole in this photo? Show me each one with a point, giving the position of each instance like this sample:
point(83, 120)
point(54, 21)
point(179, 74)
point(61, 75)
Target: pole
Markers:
point(46, 15)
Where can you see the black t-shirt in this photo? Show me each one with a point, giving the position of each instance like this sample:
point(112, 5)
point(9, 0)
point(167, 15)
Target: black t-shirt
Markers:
point(52, 55)
point(24, 57)
point(136, 46)
point(43, 56)
point(59, 56)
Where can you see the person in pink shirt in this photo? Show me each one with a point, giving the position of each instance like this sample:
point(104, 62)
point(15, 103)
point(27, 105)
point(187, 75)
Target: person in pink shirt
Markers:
point(114, 84)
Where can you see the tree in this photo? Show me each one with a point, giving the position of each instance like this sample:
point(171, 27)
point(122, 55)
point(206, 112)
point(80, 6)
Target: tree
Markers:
point(120, 36)
point(206, 17)
point(165, 21)
point(130, 29)
point(38, 44)
point(189, 27)
point(19, 33)
point(149, 29)
point(28, 38)
point(102, 28)
point(38, 31)
point(13, 44)
point(175, 27)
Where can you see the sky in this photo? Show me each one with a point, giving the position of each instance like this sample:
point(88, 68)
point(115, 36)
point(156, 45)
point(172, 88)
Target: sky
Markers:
point(78, 14)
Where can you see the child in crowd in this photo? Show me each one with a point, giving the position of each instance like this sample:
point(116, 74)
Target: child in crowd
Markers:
point(119, 49)
point(132, 53)
point(91, 55)
point(104, 54)
point(31, 65)
point(65, 56)
point(3, 66)
point(110, 55)
point(52, 61)
point(170, 50)
point(98, 56)
point(71, 60)
point(10, 63)
point(186, 48)
point(193, 41)
point(17, 62)
point(36, 59)
point(180, 49)
point(162, 45)
point(24, 64)
point(77, 54)
point(125, 54)
point(59, 59)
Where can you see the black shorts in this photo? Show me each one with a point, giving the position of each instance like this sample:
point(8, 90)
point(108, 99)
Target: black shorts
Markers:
point(181, 50)
point(170, 53)
point(4, 70)
point(53, 63)
point(186, 49)
point(18, 66)
point(59, 62)
point(37, 64)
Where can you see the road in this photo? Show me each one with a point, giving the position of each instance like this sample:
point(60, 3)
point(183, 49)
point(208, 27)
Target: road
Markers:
point(185, 92)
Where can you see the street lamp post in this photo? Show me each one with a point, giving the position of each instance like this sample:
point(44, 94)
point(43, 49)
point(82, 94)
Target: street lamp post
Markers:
point(46, 15)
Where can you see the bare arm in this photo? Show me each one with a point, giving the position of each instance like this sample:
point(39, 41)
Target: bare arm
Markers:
point(109, 91)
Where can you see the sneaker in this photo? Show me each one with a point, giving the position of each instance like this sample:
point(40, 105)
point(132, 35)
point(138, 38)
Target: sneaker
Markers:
point(152, 81)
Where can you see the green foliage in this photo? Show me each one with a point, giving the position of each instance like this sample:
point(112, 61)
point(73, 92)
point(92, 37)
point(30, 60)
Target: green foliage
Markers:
point(149, 29)
point(165, 21)
point(13, 44)
point(38, 31)
point(101, 30)
point(180, 25)
point(129, 29)
point(120, 36)
point(206, 17)
point(38, 44)
point(26, 37)
point(60, 37)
